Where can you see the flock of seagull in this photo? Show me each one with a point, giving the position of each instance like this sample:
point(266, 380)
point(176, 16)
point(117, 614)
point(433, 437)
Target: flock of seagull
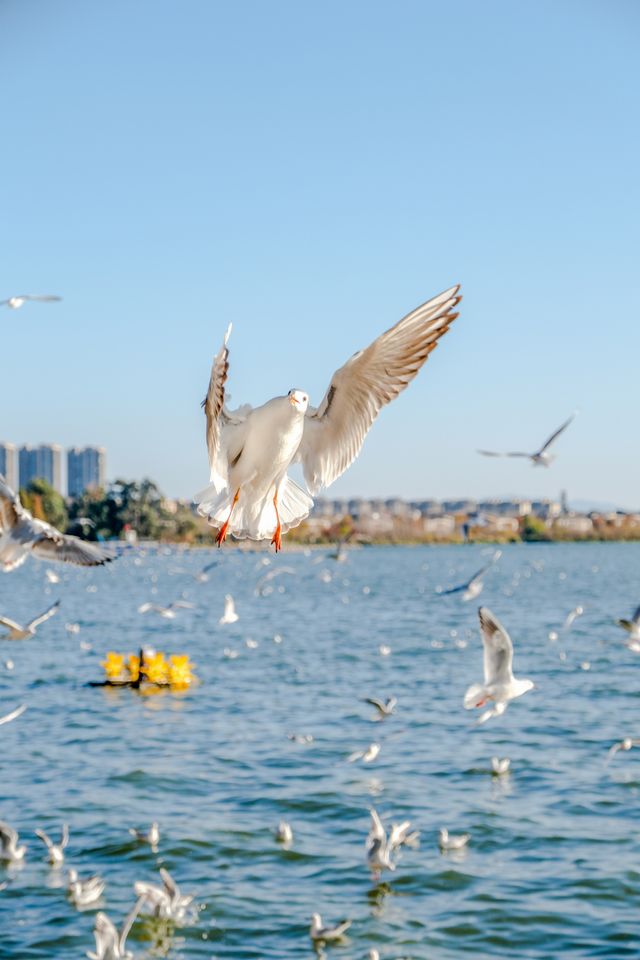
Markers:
point(251, 496)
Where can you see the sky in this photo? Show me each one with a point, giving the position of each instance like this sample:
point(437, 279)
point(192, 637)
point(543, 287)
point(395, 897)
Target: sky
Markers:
point(313, 172)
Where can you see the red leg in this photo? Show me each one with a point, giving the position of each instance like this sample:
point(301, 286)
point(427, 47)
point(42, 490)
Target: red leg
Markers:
point(222, 532)
point(277, 537)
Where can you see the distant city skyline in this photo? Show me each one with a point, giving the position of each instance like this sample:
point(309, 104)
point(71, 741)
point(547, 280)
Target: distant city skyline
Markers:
point(313, 173)
point(85, 467)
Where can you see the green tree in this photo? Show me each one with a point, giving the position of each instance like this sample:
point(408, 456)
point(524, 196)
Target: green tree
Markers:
point(44, 503)
point(533, 530)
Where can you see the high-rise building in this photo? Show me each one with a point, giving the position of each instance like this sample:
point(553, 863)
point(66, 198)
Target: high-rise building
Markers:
point(9, 464)
point(41, 463)
point(85, 469)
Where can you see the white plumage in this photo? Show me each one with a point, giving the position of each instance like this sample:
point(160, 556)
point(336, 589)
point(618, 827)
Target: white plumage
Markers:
point(250, 450)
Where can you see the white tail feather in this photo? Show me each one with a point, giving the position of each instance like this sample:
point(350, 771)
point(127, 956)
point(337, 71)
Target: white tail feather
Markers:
point(255, 519)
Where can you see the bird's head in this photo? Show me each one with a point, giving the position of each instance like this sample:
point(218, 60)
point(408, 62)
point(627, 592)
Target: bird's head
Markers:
point(298, 399)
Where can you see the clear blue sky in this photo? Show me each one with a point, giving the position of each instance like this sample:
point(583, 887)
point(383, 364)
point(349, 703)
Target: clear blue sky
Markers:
point(312, 172)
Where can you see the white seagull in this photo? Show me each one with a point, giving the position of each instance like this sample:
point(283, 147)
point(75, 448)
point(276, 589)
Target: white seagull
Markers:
point(152, 836)
point(21, 534)
point(84, 893)
point(229, 615)
point(19, 632)
point(8, 717)
point(166, 902)
point(500, 766)
point(284, 833)
point(9, 849)
point(541, 457)
point(55, 851)
point(451, 841)
point(14, 303)
point(384, 707)
point(633, 629)
point(473, 587)
point(111, 943)
point(328, 934)
point(499, 686)
point(169, 612)
point(378, 847)
point(250, 450)
point(625, 744)
point(367, 756)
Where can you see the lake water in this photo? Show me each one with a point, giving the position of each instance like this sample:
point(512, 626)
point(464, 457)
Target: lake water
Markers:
point(553, 865)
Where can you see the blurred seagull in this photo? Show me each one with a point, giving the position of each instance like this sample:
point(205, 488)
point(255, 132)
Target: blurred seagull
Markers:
point(83, 893)
point(284, 833)
point(260, 586)
point(52, 576)
point(328, 934)
point(500, 685)
point(169, 613)
point(572, 616)
point(633, 629)
point(8, 717)
point(447, 841)
point(18, 632)
point(20, 535)
point(152, 836)
point(367, 756)
point(541, 458)
point(14, 303)
point(203, 575)
point(55, 851)
point(166, 902)
point(229, 615)
point(625, 744)
point(111, 943)
point(473, 587)
point(250, 450)
point(500, 766)
point(9, 849)
point(384, 707)
point(399, 836)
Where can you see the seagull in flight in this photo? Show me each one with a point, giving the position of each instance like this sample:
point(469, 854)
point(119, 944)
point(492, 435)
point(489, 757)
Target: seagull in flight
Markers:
point(21, 534)
point(14, 303)
point(499, 686)
point(473, 587)
point(251, 449)
point(8, 717)
point(110, 942)
point(166, 902)
point(384, 707)
point(19, 632)
point(625, 744)
point(633, 629)
point(229, 615)
point(169, 613)
point(541, 457)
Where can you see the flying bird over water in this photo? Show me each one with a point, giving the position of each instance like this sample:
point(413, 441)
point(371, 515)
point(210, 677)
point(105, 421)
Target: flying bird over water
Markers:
point(251, 449)
point(633, 629)
point(499, 686)
point(55, 851)
point(21, 534)
point(19, 632)
point(14, 303)
point(473, 587)
point(541, 457)
point(8, 717)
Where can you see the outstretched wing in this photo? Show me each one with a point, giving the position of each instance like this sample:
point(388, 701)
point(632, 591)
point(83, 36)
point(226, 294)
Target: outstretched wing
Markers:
point(11, 510)
point(335, 431)
point(11, 624)
point(128, 923)
point(636, 616)
point(498, 648)
point(494, 453)
point(8, 717)
point(480, 574)
point(557, 433)
point(42, 297)
point(66, 548)
point(213, 403)
point(43, 616)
